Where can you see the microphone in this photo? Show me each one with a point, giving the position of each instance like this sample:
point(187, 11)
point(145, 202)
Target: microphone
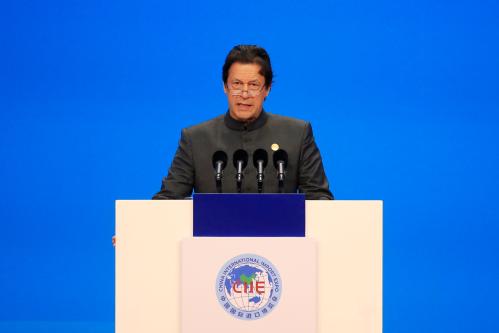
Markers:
point(240, 160)
point(260, 160)
point(219, 161)
point(280, 163)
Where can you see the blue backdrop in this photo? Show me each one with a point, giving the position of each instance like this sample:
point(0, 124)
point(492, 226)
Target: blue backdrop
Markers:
point(402, 95)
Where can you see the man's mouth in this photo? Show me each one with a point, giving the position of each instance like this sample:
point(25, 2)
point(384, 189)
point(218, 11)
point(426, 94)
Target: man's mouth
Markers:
point(244, 106)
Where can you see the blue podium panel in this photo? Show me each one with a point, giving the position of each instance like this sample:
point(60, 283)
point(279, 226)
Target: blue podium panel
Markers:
point(249, 215)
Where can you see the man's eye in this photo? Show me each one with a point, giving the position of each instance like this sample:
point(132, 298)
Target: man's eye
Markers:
point(236, 84)
point(254, 85)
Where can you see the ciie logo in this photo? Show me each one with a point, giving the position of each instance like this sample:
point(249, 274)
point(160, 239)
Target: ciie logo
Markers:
point(248, 287)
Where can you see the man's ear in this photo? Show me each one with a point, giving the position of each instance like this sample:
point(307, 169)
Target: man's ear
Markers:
point(225, 88)
point(267, 91)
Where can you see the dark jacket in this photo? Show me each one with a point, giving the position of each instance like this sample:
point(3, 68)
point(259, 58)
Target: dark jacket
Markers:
point(192, 167)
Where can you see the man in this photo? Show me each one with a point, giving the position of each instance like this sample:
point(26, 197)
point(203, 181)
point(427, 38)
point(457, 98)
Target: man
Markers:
point(247, 77)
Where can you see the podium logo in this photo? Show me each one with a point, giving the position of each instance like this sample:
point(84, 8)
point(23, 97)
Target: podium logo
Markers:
point(248, 287)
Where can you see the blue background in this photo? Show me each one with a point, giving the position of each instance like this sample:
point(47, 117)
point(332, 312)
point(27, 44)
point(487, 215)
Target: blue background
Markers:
point(402, 95)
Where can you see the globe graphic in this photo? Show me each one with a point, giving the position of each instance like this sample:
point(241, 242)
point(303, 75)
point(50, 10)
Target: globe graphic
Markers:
point(241, 287)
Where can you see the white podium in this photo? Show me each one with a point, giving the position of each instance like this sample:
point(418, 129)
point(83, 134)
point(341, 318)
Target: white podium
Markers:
point(152, 238)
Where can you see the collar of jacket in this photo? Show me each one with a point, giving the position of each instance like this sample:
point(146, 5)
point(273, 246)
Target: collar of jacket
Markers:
point(242, 126)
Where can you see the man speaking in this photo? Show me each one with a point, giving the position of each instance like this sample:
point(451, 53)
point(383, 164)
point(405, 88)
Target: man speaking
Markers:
point(247, 150)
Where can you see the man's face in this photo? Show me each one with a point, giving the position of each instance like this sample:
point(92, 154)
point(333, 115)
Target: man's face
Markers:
point(244, 106)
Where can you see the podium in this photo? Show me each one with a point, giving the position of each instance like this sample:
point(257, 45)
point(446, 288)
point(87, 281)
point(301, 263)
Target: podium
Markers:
point(156, 254)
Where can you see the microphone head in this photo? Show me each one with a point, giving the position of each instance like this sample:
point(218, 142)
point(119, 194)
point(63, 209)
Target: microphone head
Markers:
point(260, 155)
point(240, 155)
point(280, 155)
point(219, 156)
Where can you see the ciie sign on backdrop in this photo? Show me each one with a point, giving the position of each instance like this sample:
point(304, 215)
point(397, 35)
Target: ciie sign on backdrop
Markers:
point(248, 287)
